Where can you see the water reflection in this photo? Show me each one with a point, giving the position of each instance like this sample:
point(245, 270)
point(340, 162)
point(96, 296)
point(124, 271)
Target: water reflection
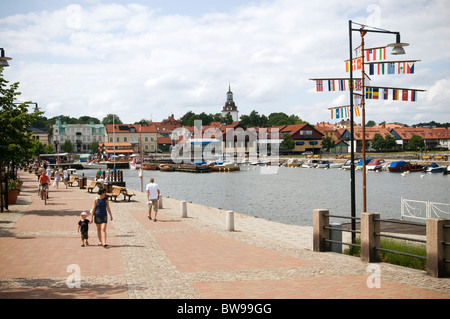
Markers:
point(291, 195)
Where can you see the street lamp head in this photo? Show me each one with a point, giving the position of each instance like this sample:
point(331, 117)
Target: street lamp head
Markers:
point(398, 46)
point(3, 58)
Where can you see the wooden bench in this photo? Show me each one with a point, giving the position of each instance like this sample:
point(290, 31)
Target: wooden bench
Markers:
point(93, 185)
point(116, 192)
point(128, 193)
point(72, 180)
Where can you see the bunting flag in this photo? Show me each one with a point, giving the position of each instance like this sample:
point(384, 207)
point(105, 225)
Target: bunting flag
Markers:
point(319, 85)
point(337, 84)
point(375, 93)
point(405, 95)
point(356, 64)
point(391, 68)
point(399, 67)
point(369, 92)
point(330, 85)
point(375, 54)
point(342, 112)
point(395, 94)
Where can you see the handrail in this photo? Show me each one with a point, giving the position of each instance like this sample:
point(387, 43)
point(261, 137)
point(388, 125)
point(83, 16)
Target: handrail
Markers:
point(400, 253)
point(341, 242)
point(338, 216)
point(403, 238)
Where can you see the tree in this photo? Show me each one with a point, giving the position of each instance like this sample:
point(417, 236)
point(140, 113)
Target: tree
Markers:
point(416, 142)
point(328, 143)
point(389, 142)
point(111, 119)
point(87, 120)
point(378, 142)
point(371, 123)
point(15, 140)
point(39, 148)
point(67, 146)
point(288, 142)
point(94, 146)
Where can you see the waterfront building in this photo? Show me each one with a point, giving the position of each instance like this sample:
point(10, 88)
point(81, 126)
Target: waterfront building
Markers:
point(81, 136)
point(122, 150)
point(40, 135)
point(306, 137)
point(134, 134)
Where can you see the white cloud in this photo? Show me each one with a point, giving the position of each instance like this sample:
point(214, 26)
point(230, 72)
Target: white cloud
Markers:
point(135, 61)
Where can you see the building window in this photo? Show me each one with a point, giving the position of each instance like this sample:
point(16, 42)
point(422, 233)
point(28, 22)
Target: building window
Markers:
point(125, 139)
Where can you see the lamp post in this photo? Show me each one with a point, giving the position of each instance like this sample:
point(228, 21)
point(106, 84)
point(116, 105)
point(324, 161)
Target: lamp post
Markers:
point(397, 50)
point(3, 59)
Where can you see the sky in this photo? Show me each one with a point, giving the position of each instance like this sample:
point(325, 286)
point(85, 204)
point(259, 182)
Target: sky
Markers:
point(150, 59)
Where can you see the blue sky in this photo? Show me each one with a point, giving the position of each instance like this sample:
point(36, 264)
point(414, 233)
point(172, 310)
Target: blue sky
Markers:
point(149, 59)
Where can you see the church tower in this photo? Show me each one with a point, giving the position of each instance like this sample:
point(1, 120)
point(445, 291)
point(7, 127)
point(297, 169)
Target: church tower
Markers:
point(230, 106)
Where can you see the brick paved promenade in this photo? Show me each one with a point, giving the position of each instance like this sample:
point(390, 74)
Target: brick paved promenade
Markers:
point(178, 258)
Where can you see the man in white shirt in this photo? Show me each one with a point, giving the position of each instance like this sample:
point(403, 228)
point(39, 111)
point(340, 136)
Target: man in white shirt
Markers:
point(152, 198)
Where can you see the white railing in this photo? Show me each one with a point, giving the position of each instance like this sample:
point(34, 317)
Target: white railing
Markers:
point(424, 209)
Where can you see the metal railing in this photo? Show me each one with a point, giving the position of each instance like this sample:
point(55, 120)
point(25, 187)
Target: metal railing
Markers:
point(424, 209)
point(353, 231)
point(423, 241)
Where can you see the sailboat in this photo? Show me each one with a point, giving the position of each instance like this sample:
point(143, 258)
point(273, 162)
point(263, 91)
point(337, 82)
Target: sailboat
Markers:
point(136, 162)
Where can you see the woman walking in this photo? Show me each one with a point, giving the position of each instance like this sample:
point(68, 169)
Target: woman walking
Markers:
point(100, 212)
point(57, 178)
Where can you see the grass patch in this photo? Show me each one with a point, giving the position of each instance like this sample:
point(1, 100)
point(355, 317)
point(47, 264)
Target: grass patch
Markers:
point(396, 259)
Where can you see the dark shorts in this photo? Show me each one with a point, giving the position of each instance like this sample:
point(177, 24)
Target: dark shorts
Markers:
point(84, 235)
point(100, 219)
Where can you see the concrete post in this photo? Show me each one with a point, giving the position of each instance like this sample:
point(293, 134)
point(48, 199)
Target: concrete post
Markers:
point(320, 221)
point(230, 220)
point(183, 209)
point(436, 251)
point(368, 239)
point(160, 202)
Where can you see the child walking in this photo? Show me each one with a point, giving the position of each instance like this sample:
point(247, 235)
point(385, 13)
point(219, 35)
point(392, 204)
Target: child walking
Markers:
point(83, 228)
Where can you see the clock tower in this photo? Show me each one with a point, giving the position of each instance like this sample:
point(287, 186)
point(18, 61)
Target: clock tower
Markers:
point(230, 106)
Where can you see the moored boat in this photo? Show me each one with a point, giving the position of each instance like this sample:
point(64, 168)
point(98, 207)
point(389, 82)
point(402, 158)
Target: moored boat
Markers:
point(435, 168)
point(375, 164)
point(294, 162)
point(403, 166)
point(149, 167)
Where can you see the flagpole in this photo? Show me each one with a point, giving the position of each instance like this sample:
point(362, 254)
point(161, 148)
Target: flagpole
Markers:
point(352, 138)
point(363, 106)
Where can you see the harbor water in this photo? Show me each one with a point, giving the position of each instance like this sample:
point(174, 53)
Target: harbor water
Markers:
point(290, 194)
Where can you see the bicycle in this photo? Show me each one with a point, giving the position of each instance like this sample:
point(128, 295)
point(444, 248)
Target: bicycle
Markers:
point(44, 193)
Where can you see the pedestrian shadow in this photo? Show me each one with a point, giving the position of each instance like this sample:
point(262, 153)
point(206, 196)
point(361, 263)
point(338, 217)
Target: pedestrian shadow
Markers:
point(47, 288)
point(60, 213)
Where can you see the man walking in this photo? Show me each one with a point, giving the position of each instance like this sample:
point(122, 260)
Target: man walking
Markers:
point(152, 198)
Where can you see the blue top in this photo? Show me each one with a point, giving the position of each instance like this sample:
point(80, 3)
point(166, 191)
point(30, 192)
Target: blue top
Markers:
point(100, 208)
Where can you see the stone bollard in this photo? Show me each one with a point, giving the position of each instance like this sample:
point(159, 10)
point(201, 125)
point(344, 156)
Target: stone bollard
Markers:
point(230, 220)
point(368, 239)
point(160, 202)
point(320, 221)
point(183, 209)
